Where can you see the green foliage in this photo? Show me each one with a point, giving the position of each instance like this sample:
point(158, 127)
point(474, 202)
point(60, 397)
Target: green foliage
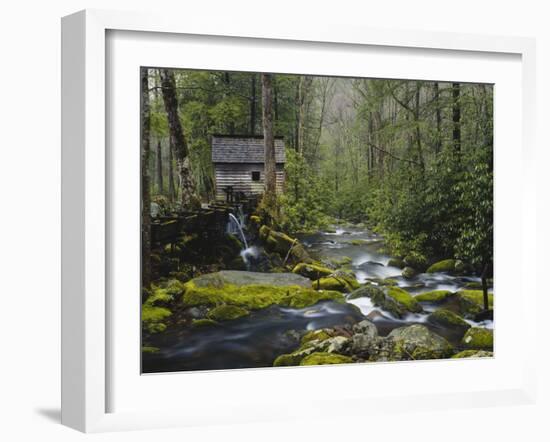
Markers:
point(379, 152)
point(304, 204)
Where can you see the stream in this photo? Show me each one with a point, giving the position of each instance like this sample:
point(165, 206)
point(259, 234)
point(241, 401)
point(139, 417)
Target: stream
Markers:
point(256, 340)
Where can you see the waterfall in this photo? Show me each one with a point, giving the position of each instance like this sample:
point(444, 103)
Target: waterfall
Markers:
point(236, 222)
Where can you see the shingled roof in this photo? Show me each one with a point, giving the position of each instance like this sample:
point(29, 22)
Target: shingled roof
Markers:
point(242, 149)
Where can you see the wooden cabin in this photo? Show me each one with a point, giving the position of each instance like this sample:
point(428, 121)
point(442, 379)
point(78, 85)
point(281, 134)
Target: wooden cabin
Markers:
point(239, 164)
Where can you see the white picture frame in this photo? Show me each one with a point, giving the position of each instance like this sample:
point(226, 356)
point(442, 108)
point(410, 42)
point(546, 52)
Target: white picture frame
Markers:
point(86, 203)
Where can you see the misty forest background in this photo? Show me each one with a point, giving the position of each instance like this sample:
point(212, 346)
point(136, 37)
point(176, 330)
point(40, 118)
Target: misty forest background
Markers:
point(412, 160)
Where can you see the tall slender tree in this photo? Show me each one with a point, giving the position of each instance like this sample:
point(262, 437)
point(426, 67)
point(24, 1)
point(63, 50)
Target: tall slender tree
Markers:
point(171, 186)
point(188, 195)
point(456, 118)
point(252, 123)
point(160, 181)
point(270, 180)
point(145, 181)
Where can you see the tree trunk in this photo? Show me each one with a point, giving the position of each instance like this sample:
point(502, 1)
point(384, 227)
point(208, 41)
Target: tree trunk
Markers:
point(145, 181)
point(417, 125)
point(252, 124)
point(188, 195)
point(269, 144)
point(303, 91)
point(160, 182)
point(437, 146)
point(171, 186)
point(227, 81)
point(456, 118)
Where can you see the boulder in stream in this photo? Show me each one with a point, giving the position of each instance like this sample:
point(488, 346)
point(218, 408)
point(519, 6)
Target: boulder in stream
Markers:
point(312, 271)
point(253, 290)
point(473, 354)
point(288, 248)
point(478, 338)
point(418, 342)
point(447, 319)
point(452, 266)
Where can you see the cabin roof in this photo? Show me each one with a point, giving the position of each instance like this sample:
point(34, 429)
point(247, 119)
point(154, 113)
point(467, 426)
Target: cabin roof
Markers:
point(243, 149)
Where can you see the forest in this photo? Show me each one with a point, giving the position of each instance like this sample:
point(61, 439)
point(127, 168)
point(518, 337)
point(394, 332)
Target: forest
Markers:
point(377, 246)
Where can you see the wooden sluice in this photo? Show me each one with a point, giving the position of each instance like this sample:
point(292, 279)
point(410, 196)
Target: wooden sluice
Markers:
point(209, 222)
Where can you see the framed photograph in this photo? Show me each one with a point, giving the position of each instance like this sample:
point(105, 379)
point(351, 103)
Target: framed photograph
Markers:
point(269, 217)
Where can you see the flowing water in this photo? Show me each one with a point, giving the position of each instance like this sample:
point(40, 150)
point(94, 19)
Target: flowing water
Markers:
point(256, 340)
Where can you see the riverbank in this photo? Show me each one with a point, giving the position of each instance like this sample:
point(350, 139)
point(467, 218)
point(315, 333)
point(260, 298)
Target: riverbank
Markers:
point(359, 304)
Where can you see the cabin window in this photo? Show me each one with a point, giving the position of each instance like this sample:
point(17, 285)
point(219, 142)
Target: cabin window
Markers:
point(255, 176)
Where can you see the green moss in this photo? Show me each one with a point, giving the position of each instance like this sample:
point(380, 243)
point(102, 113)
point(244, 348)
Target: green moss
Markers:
point(475, 296)
point(447, 265)
point(408, 273)
point(255, 220)
point(159, 296)
point(433, 296)
point(344, 260)
point(473, 354)
point(404, 298)
point(319, 358)
point(174, 288)
point(416, 261)
point(154, 314)
point(254, 297)
point(227, 313)
point(357, 242)
point(368, 290)
point(311, 271)
point(478, 338)
point(315, 335)
point(396, 262)
point(294, 358)
point(203, 322)
point(146, 349)
point(340, 282)
point(447, 318)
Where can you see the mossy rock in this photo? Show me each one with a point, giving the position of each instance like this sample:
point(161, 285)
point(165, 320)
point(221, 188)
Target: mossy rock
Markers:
point(368, 290)
point(150, 350)
point(294, 358)
point(344, 260)
point(418, 342)
point(404, 298)
point(475, 285)
point(396, 262)
point(284, 245)
point(203, 322)
point(446, 318)
point(357, 242)
point(255, 221)
point(445, 266)
point(471, 302)
point(416, 261)
point(340, 281)
point(315, 335)
point(320, 358)
point(409, 273)
point(478, 338)
point(174, 288)
point(473, 354)
point(254, 296)
point(227, 313)
point(311, 271)
point(433, 296)
point(152, 315)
